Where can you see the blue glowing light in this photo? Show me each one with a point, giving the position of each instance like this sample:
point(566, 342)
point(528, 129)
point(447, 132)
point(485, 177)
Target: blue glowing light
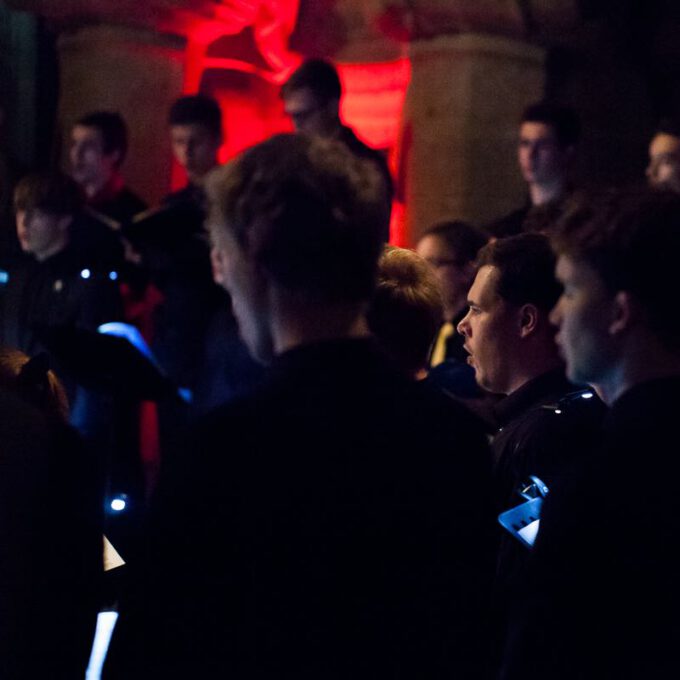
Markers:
point(85, 274)
point(118, 504)
point(113, 276)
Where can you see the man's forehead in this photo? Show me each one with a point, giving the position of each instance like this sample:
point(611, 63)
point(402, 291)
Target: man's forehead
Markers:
point(536, 130)
point(483, 290)
point(433, 244)
point(86, 132)
point(299, 100)
point(189, 130)
point(664, 144)
point(575, 271)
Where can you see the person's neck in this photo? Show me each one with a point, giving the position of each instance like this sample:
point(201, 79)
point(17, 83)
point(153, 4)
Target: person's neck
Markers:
point(535, 365)
point(546, 192)
point(637, 367)
point(297, 322)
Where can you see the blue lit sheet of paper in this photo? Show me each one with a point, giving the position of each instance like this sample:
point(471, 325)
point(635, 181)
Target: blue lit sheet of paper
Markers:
point(106, 622)
point(530, 531)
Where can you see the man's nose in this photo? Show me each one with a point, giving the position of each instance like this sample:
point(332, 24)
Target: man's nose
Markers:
point(462, 327)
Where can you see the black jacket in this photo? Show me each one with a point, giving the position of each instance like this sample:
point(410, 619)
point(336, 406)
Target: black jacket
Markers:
point(603, 593)
point(335, 525)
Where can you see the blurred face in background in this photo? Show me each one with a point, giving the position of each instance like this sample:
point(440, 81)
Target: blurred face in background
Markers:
point(91, 167)
point(309, 115)
point(42, 234)
point(663, 171)
point(453, 275)
point(540, 155)
point(195, 148)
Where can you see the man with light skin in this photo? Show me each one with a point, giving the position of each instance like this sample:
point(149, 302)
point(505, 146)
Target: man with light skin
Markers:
point(663, 171)
point(42, 234)
point(195, 134)
point(330, 487)
point(548, 135)
point(311, 98)
point(170, 244)
point(58, 284)
point(511, 344)
point(510, 341)
point(450, 249)
point(604, 591)
point(97, 151)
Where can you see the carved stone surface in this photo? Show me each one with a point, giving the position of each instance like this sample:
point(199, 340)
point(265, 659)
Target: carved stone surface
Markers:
point(460, 127)
point(473, 70)
point(333, 22)
point(132, 71)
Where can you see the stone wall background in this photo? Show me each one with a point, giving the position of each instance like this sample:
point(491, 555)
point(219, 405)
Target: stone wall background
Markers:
point(475, 64)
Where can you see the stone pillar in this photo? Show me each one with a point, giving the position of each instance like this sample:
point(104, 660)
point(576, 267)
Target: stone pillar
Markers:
point(136, 72)
point(459, 129)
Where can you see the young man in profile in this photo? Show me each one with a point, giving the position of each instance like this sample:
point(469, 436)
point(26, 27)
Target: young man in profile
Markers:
point(333, 524)
point(604, 592)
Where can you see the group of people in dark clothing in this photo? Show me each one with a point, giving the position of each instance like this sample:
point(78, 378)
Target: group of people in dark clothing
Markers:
point(338, 518)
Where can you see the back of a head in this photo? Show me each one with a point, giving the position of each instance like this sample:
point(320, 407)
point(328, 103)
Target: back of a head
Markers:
point(308, 211)
point(33, 381)
point(197, 109)
point(406, 309)
point(563, 120)
point(461, 237)
point(51, 192)
point(111, 127)
point(317, 75)
point(526, 270)
point(631, 238)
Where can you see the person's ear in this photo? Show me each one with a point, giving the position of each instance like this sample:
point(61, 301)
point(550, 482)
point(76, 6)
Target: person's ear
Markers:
point(624, 311)
point(528, 316)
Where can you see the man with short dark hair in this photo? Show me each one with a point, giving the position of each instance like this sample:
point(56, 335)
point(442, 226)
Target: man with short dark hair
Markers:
point(511, 344)
point(450, 248)
point(548, 135)
point(195, 134)
point(172, 246)
point(311, 97)
point(321, 528)
point(98, 148)
point(59, 283)
point(604, 592)
point(512, 348)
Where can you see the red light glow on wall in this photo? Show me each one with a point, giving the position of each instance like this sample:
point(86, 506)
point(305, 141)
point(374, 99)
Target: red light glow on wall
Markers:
point(372, 105)
point(241, 57)
point(374, 97)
